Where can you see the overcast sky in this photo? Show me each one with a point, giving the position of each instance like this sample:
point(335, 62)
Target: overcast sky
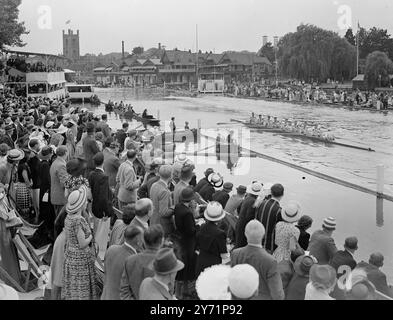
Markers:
point(222, 24)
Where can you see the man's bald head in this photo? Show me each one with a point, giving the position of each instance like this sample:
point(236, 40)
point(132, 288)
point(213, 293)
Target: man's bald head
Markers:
point(254, 231)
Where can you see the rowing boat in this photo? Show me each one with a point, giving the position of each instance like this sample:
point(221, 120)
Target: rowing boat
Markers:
point(299, 135)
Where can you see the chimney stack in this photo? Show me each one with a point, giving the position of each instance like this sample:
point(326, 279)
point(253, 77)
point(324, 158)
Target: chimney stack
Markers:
point(159, 45)
point(122, 50)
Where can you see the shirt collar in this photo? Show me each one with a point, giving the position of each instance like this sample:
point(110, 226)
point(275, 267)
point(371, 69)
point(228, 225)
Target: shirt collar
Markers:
point(255, 245)
point(145, 224)
point(162, 284)
point(130, 246)
point(349, 253)
point(97, 168)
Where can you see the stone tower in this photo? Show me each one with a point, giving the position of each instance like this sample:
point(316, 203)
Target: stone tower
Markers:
point(71, 45)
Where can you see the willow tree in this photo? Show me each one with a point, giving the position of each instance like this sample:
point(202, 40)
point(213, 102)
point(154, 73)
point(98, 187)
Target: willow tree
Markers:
point(378, 69)
point(10, 29)
point(312, 53)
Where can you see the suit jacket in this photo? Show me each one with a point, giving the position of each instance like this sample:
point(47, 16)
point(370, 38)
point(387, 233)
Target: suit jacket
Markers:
point(270, 284)
point(152, 290)
point(90, 149)
point(322, 247)
point(201, 184)
point(111, 166)
point(377, 277)
point(221, 197)
point(5, 138)
point(297, 287)
point(246, 214)
point(269, 213)
point(162, 201)
point(126, 177)
point(115, 258)
point(207, 192)
point(136, 223)
point(102, 195)
point(342, 258)
point(285, 267)
point(135, 271)
point(179, 187)
point(58, 177)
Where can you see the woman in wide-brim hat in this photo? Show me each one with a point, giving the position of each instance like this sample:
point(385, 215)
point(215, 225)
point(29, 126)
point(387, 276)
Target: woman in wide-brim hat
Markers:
point(287, 234)
point(79, 275)
point(211, 240)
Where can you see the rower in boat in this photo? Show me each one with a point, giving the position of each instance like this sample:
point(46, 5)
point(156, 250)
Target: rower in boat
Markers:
point(253, 119)
point(275, 123)
point(260, 120)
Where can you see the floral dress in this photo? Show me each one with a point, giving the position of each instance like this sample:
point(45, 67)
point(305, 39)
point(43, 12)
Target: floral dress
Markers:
point(79, 274)
point(74, 183)
point(284, 232)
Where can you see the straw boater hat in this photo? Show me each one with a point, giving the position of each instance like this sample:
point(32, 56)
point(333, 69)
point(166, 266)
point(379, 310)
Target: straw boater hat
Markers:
point(243, 281)
point(49, 124)
point(213, 283)
point(323, 276)
point(214, 212)
point(291, 212)
point(215, 179)
point(166, 262)
point(329, 223)
point(15, 155)
point(255, 189)
point(76, 200)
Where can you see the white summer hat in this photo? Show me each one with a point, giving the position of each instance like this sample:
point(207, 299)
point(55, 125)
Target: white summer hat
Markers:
point(243, 281)
point(291, 212)
point(255, 189)
point(214, 212)
point(212, 283)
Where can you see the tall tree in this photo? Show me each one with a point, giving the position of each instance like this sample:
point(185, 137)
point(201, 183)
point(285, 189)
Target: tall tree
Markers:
point(137, 50)
point(312, 53)
point(375, 40)
point(378, 68)
point(350, 37)
point(10, 29)
point(267, 51)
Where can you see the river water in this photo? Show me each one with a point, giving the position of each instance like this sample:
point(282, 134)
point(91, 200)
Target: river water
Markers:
point(356, 213)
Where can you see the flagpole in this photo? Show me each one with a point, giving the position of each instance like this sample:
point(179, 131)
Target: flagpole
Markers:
point(357, 50)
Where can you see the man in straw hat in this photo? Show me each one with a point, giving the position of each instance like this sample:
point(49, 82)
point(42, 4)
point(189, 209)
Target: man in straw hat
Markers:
point(215, 182)
point(8, 171)
point(322, 245)
point(201, 183)
point(210, 233)
point(160, 286)
point(270, 284)
point(247, 212)
point(269, 213)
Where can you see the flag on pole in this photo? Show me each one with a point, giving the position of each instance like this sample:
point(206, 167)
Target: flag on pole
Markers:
point(68, 22)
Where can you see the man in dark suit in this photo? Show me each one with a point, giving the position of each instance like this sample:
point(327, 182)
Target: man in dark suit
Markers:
point(269, 213)
point(222, 196)
point(90, 147)
point(246, 213)
point(115, 259)
point(375, 275)
point(121, 136)
point(270, 285)
point(345, 257)
point(6, 138)
point(322, 245)
point(341, 261)
point(100, 191)
point(136, 266)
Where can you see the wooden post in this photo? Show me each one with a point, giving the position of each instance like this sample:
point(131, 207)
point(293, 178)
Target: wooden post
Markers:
point(380, 178)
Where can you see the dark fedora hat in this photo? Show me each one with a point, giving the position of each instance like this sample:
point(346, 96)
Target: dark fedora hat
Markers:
point(166, 262)
point(187, 194)
point(303, 265)
point(241, 189)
